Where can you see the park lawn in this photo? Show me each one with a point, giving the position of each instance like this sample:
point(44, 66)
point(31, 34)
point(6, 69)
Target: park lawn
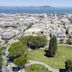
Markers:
point(36, 68)
point(58, 61)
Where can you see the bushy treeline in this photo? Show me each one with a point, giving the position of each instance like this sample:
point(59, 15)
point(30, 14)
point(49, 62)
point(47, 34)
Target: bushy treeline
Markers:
point(34, 42)
point(18, 50)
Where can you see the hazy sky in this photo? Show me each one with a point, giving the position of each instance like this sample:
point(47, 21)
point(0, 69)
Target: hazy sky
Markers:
point(55, 3)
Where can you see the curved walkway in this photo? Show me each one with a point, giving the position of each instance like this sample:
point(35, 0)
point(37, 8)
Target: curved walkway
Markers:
point(65, 45)
point(4, 57)
point(47, 66)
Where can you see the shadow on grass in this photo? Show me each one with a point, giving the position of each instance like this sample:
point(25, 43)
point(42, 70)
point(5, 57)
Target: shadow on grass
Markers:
point(11, 58)
point(46, 50)
point(47, 54)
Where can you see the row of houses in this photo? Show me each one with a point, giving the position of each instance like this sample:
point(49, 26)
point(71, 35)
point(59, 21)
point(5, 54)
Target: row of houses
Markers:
point(52, 25)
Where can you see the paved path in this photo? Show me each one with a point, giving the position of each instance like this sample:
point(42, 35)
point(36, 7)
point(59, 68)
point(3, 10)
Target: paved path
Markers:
point(4, 57)
point(47, 66)
point(65, 45)
point(22, 70)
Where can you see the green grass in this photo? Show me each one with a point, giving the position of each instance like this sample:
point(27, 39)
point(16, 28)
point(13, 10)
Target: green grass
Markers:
point(36, 68)
point(58, 61)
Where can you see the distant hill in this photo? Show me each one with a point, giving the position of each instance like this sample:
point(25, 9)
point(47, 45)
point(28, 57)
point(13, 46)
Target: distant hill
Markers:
point(35, 9)
point(28, 7)
point(39, 7)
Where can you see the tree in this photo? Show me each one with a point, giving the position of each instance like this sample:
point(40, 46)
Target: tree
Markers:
point(18, 52)
point(20, 61)
point(34, 42)
point(52, 46)
point(17, 49)
point(68, 65)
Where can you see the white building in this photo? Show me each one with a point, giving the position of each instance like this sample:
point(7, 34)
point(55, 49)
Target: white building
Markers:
point(33, 31)
point(8, 35)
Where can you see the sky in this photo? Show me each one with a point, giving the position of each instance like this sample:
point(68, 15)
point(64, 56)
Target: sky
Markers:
point(54, 3)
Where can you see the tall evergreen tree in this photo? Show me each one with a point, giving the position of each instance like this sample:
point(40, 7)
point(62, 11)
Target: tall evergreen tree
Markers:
point(52, 46)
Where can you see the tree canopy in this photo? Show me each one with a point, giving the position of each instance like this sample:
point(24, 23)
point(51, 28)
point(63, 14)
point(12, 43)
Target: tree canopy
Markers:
point(17, 49)
point(52, 46)
point(34, 42)
point(20, 61)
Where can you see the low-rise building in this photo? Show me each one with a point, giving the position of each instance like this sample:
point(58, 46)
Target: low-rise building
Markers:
point(33, 31)
point(61, 37)
point(8, 35)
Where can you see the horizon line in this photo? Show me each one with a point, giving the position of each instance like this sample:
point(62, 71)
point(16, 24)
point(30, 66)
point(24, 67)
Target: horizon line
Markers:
point(39, 6)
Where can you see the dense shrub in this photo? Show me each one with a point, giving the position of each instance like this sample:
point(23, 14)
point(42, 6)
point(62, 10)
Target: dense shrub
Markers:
point(20, 61)
point(17, 52)
point(68, 65)
point(34, 42)
point(17, 49)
